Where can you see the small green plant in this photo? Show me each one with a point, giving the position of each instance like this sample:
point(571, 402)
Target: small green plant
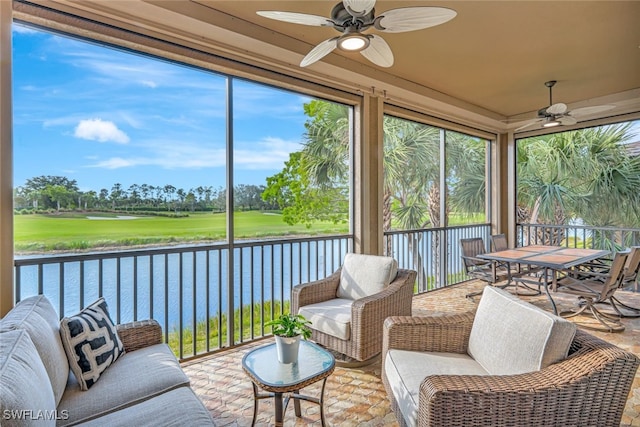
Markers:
point(290, 325)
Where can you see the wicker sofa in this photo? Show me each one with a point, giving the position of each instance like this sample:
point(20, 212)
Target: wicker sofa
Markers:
point(347, 308)
point(589, 387)
point(145, 386)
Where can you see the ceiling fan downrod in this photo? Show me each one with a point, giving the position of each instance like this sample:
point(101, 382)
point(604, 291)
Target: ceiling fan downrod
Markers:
point(550, 85)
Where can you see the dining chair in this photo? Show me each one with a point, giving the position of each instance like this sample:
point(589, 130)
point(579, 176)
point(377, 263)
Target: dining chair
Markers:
point(629, 278)
point(499, 242)
point(594, 289)
point(517, 271)
point(482, 269)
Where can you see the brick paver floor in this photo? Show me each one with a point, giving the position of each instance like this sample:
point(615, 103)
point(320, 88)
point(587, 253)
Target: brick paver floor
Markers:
point(355, 396)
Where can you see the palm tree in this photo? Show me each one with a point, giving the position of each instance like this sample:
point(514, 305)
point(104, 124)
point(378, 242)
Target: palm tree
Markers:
point(585, 174)
point(411, 185)
point(411, 168)
point(411, 172)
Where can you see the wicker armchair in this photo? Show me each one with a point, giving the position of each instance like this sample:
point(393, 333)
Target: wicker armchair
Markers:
point(589, 387)
point(367, 314)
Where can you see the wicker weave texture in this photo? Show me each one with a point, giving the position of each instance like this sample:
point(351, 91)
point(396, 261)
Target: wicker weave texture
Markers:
point(367, 314)
point(140, 334)
point(589, 388)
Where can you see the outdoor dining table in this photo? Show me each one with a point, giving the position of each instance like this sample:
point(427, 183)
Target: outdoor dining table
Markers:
point(550, 258)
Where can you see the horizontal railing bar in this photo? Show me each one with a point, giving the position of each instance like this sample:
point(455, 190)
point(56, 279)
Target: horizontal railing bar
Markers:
point(56, 259)
point(433, 229)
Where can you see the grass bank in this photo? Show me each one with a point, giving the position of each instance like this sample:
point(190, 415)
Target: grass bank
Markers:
point(80, 231)
point(217, 334)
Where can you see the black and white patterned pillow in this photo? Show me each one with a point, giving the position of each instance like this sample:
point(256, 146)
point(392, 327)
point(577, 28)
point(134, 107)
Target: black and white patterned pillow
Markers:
point(91, 342)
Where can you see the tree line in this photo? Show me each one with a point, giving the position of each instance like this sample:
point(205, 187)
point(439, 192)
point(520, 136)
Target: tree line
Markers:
point(56, 193)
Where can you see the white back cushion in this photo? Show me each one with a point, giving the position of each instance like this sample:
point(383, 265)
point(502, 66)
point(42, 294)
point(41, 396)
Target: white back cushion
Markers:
point(25, 389)
point(511, 336)
point(365, 275)
point(37, 316)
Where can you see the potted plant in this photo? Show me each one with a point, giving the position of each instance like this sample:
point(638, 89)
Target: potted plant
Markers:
point(288, 328)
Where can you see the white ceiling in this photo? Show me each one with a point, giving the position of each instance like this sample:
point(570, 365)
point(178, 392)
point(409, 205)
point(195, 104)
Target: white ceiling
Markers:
point(488, 65)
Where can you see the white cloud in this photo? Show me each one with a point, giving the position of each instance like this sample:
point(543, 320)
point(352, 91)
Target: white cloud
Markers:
point(116, 163)
point(270, 153)
point(99, 130)
point(22, 29)
point(149, 83)
point(267, 154)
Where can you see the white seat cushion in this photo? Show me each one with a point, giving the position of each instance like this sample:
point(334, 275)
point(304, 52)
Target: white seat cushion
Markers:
point(406, 370)
point(136, 376)
point(365, 275)
point(179, 407)
point(333, 317)
point(511, 336)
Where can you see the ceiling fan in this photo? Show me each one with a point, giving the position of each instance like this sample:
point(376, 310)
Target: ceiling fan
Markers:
point(557, 114)
point(353, 17)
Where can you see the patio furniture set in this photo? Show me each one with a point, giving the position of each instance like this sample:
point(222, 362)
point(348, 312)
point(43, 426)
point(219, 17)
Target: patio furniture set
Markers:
point(508, 363)
point(586, 273)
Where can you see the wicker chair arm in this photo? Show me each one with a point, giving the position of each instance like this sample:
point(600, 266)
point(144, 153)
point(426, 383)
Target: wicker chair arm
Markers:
point(444, 333)
point(140, 334)
point(394, 299)
point(314, 292)
point(552, 396)
point(404, 279)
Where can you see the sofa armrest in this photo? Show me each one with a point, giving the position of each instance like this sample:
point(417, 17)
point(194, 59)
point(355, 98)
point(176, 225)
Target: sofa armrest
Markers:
point(314, 292)
point(140, 334)
point(587, 388)
point(443, 333)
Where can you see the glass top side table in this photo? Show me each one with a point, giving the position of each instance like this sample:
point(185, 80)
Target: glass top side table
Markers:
point(262, 366)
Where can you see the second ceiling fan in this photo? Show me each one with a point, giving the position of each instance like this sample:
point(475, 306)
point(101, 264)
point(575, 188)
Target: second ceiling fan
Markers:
point(353, 17)
point(558, 114)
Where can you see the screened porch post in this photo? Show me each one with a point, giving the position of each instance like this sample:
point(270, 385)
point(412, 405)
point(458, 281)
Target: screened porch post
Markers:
point(368, 176)
point(6, 162)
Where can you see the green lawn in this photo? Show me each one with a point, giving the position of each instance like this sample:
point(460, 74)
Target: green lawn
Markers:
point(76, 231)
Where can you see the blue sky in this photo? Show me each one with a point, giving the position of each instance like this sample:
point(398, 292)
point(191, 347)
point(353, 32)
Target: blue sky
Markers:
point(102, 116)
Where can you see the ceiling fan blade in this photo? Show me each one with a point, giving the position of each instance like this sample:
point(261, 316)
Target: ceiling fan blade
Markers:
point(358, 7)
point(585, 111)
point(567, 120)
point(378, 52)
point(413, 18)
point(528, 124)
point(319, 52)
point(558, 108)
point(296, 18)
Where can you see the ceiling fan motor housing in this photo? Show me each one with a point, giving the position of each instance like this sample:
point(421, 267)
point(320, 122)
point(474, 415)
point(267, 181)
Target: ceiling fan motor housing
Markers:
point(542, 113)
point(343, 19)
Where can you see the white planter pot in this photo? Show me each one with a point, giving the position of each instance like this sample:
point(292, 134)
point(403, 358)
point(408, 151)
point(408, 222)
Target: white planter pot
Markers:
point(287, 348)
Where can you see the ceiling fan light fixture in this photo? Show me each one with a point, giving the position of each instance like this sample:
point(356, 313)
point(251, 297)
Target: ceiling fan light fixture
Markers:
point(353, 42)
point(550, 122)
point(354, 17)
